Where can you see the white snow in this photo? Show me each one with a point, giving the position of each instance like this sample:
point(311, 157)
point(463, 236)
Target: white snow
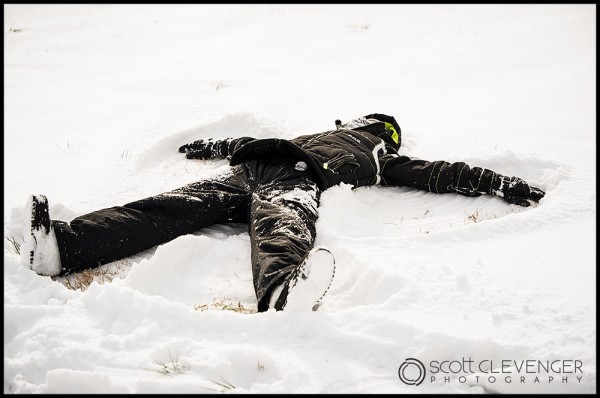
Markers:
point(98, 98)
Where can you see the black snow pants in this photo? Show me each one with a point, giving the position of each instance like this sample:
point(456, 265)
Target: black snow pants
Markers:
point(278, 198)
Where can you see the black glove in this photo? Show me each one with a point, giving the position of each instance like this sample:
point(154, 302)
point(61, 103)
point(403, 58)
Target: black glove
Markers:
point(516, 191)
point(211, 148)
point(203, 149)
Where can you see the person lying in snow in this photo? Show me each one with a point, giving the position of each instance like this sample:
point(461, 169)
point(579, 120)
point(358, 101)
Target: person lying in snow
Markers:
point(274, 185)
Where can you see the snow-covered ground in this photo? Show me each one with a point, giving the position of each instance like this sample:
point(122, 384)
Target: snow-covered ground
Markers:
point(97, 99)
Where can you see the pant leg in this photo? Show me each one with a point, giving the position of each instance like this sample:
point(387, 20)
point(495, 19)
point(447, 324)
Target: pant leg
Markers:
point(111, 234)
point(283, 212)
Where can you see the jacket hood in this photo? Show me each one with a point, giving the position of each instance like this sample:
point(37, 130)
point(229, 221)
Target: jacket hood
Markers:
point(391, 126)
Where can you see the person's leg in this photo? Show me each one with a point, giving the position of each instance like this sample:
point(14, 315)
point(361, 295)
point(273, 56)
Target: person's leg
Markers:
point(111, 234)
point(283, 213)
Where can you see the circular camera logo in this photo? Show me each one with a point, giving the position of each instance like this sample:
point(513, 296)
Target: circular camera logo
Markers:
point(412, 372)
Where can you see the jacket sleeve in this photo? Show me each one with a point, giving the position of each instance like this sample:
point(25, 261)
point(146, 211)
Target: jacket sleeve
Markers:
point(210, 148)
point(438, 176)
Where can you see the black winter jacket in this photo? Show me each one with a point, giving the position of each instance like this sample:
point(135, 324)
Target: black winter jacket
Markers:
point(360, 153)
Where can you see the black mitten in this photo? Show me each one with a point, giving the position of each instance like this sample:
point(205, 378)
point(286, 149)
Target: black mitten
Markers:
point(516, 191)
point(211, 148)
point(202, 149)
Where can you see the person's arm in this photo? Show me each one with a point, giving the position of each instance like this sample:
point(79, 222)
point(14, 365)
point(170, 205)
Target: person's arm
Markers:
point(210, 148)
point(441, 177)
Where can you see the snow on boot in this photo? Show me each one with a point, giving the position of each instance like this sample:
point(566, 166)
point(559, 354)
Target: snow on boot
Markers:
point(308, 284)
point(39, 251)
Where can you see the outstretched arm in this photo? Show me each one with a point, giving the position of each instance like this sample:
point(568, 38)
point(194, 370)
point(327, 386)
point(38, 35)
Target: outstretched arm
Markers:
point(210, 148)
point(442, 177)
